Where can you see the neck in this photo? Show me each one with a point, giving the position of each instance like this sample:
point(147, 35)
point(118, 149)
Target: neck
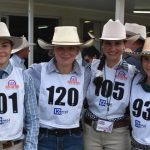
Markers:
point(3, 66)
point(111, 63)
point(64, 69)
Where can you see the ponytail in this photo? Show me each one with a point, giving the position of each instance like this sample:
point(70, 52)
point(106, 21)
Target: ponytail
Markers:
point(99, 75)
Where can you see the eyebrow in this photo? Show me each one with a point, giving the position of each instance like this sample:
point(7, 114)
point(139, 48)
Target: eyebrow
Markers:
point(5, 43)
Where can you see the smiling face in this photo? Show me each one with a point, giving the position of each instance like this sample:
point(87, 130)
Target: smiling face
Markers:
point(65, 55)
point(5, 52)
point(113, 51)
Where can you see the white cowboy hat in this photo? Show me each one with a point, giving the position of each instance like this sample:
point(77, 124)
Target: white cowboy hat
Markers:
point(132, 38)
point(4, 34)
point(136, 29)
point(65, 36)
point(145, 51)
point(113, 30)
point(24, 45)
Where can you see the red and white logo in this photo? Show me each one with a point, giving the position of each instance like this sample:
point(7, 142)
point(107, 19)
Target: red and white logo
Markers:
point(12, 85)
point(121, 75)
point(73, 80)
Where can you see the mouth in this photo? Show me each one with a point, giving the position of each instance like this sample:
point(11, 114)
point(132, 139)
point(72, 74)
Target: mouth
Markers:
point(112, 54)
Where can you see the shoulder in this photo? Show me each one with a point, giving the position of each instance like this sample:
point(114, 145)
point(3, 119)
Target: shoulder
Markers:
point(34, 68)
point(138, 78)
point(132, 70)
point(95, 64)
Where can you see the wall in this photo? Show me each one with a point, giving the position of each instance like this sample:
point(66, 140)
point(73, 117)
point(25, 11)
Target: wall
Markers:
point(67, 15)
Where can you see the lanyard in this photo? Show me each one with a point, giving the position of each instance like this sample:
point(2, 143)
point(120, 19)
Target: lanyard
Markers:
point(109, 98)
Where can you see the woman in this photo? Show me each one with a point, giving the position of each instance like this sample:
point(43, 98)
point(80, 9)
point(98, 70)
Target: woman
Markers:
point(106, 124)
point(60, 87)
point(140, 103)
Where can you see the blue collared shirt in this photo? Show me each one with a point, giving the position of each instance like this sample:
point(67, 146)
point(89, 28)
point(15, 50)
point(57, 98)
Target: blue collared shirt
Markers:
point(17, 61)
point(31, 119)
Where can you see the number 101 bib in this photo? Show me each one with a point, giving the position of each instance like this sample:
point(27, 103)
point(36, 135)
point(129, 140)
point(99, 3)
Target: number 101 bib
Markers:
point(11, 105)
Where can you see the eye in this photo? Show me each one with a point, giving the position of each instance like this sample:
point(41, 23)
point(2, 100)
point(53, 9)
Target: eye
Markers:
point(118, 42)
point(5, 45)
point(107, 43)
point(146, 58)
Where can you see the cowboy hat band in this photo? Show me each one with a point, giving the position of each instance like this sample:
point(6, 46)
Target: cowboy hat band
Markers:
point(145, 51)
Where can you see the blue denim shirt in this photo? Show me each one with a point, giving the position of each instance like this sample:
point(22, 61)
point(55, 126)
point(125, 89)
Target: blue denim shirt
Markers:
point(31, 119)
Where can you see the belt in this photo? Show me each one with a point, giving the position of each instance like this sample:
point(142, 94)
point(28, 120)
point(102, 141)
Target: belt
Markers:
point(9, 144)
point(61, 132)
point(117, 124)
point(135, 144)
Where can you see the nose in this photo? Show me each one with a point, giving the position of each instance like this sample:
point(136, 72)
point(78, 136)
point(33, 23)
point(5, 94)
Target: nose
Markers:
point(113, 47)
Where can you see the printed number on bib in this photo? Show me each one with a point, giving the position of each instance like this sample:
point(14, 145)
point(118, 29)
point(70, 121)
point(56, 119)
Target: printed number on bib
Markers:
point(137, 109)
point(109, 88)
point(72, 96)
point(4, 100)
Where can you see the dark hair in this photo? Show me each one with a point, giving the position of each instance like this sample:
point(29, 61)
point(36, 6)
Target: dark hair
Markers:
point(11, 43)
point(98, 80)
point(90, 51)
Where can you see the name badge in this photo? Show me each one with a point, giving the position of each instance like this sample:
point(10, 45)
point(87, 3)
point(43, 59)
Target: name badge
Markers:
point(104, 126)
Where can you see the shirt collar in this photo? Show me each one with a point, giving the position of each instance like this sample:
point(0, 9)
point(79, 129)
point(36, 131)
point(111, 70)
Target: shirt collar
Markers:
point(52, 68)
point(8, 68)
point(18, 59)
point(121, 64)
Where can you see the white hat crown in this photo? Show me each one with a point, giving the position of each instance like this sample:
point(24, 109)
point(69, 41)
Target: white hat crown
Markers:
point(133, 29)
point(113, 30)
point(4, 30)
point(66, 35)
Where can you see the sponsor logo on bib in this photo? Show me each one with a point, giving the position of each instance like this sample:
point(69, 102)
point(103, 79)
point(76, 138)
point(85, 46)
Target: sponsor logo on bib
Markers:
point(73, 80)
point(12, 85)
point(121, 75)
point(4, 121)
point(139, 125)
point(59, 111)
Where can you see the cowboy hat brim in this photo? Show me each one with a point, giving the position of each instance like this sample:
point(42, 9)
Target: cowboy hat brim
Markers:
point(45, 45)
point(132, 34)
point(17, 41)
point(22, 47)
point(137, 55)
point(132, 38)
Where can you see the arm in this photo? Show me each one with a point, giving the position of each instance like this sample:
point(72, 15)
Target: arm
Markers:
point(31, 120)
